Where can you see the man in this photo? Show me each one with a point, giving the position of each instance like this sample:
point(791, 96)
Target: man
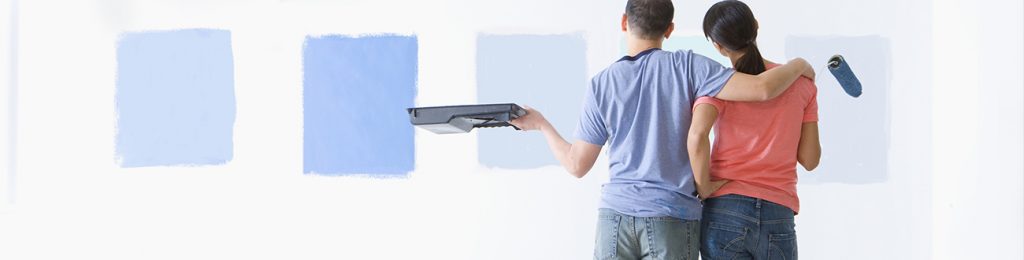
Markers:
point(641, 107)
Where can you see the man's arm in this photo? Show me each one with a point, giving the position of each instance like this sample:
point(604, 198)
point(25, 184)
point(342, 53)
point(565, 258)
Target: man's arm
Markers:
point(808, 74)
point(699, 146)
point(809, 151)
point(577, 158)
point(767, 85)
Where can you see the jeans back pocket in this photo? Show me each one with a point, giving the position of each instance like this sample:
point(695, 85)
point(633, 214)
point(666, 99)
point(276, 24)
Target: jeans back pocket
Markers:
point(723, 241)
point(782, 246)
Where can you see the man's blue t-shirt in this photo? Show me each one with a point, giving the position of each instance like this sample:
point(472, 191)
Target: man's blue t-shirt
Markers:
point(642, 106)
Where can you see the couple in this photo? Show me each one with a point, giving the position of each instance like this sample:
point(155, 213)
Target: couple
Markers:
point(655, 109)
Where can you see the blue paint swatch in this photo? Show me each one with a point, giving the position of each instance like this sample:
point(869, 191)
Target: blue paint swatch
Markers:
point(854, 131)
point(175, 98)
point(699, 45)
point(355, 92)
point(547, 72)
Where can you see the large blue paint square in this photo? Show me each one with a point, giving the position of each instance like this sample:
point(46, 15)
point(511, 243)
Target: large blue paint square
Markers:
point(547, 72)
point(355, 92)
point(175, 98)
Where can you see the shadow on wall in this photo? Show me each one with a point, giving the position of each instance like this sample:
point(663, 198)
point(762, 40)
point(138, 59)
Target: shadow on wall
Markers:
point(854, 131)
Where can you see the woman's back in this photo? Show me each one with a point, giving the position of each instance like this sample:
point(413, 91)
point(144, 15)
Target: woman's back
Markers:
point(756, 143)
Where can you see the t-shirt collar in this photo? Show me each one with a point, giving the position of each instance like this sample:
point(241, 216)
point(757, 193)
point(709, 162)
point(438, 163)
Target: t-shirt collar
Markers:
point(638, 55)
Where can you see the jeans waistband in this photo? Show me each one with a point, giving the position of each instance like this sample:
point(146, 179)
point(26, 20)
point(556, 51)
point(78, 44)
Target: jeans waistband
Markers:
point(758, 203)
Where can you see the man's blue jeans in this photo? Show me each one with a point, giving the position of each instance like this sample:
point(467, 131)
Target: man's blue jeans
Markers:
point(741, 227)
point(621, 236)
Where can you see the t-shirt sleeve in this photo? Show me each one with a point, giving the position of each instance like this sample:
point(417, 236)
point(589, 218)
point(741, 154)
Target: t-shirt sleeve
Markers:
point(811, 110)
point(717, 103)
point(591, 127)
point(709, 76)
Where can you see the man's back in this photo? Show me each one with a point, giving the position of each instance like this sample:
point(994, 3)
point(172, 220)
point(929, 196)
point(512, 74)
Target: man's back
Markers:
point(641, 106)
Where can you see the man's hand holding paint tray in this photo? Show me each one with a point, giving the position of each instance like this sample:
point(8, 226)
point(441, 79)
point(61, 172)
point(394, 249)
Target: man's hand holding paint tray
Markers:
point(463, 118)
point(532, 120)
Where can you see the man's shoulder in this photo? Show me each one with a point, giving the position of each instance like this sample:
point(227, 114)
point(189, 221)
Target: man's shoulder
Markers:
point(608, 73)
point(615, 73)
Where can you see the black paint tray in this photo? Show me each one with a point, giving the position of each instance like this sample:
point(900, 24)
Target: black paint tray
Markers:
point(462, 119)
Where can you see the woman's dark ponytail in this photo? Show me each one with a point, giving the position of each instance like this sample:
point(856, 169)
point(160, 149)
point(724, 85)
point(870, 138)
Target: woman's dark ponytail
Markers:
point(751, 63)
point(731, 24)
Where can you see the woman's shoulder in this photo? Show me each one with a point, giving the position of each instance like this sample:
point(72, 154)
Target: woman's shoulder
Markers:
point(802, 85)
point(806, 85)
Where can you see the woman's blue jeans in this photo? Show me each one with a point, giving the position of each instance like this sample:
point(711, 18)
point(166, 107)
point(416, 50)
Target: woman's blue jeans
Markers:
point(741, 227)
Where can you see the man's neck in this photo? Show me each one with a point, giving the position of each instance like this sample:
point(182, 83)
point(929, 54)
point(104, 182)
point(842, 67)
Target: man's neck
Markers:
point(636, 45)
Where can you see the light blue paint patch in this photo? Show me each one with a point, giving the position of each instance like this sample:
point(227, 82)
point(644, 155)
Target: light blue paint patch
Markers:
point(698, 44)
point(355, 92)
point(547, 72)
point(175, 98)
point(854, 131)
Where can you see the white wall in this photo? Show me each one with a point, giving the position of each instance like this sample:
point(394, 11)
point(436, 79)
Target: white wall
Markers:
point(887, 220)
point(978, 124)
point(6, 111)
point(954, 175)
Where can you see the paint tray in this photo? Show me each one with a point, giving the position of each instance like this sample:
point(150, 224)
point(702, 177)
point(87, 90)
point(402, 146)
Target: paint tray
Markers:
point(462, 119)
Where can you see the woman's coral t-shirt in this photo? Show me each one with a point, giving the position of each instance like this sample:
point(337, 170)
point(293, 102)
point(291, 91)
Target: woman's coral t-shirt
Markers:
point(756, 143)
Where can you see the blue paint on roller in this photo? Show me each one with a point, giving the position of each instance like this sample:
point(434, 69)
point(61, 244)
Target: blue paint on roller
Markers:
point(841, 70)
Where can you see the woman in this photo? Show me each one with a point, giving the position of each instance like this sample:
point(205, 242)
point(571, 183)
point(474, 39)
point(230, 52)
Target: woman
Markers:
point(749, 179)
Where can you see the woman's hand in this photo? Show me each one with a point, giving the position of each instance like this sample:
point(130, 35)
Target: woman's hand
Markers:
point(705, 191)
point(533, 120)
point(809, 72)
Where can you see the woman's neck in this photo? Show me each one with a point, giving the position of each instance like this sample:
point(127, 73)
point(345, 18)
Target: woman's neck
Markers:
point(734, 58)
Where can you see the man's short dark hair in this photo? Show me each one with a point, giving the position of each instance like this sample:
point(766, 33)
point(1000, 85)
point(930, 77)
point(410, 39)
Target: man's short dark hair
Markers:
point(649, 19)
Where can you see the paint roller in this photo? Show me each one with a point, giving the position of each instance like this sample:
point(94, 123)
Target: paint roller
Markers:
point(841, 70)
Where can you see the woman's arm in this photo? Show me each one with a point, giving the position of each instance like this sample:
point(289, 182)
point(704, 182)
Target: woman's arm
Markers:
point(699, 147)
point(809, 74)
point(809, 152)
